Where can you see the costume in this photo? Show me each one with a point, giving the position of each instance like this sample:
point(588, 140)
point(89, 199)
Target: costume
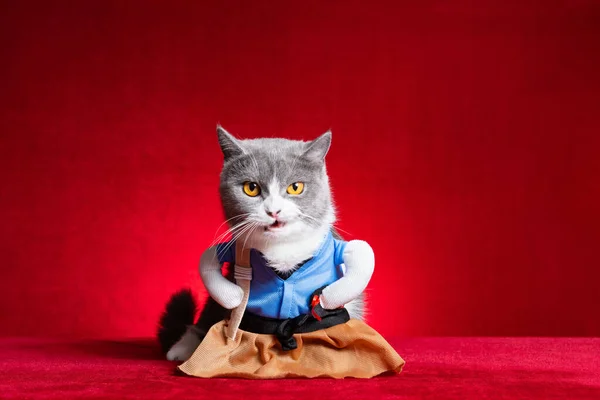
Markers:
point(280, 330)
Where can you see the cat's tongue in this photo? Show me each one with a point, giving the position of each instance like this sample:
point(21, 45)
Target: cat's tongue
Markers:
point(276, 225)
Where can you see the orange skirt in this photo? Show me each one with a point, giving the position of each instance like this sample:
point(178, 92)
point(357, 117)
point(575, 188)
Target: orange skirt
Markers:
point(352, 349)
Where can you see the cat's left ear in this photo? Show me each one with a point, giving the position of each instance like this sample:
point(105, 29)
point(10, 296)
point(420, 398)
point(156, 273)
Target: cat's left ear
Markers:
point(318, 148)
point(230, 146)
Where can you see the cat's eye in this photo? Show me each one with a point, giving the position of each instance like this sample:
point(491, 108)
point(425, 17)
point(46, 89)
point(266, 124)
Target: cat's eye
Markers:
point(251, 189)
point(295, 188)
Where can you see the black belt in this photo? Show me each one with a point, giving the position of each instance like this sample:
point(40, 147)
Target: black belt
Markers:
point(284, 329)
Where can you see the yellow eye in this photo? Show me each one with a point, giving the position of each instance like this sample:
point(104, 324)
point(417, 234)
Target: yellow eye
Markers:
point(295, 188)
point(251, 189)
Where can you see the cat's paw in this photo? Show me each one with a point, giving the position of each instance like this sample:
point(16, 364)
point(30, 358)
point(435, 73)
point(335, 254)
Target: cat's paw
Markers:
point(185, 347)
point(230, 296)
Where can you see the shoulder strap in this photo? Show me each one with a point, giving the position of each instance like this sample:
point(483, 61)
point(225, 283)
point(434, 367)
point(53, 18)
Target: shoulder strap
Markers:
point(243, 276)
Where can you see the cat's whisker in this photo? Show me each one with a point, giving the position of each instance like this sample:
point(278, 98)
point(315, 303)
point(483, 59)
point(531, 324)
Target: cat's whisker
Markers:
point(222, 236)
point(255, 162)
point(256, 224)
point(310, 218)
point(337, 228)
point(233, 231)
point(246, 231)
point(226, 221)
point(227, 232)
point(234, 238)
point(317, 222)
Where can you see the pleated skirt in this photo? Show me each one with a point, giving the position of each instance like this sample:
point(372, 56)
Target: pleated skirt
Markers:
point(352, 349)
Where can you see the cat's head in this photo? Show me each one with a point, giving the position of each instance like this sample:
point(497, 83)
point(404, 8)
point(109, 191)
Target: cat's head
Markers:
point(275, 189)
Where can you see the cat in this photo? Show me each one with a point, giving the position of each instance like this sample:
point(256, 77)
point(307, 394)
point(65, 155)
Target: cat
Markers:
point(276, 197)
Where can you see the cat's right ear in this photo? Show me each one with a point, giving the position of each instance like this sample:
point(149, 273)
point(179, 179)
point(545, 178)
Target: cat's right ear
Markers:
point(318, 148)
point(230, 146)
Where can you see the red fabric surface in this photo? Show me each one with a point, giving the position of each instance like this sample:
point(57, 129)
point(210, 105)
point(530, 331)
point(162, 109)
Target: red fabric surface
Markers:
point(465, 151)
point(440, 368)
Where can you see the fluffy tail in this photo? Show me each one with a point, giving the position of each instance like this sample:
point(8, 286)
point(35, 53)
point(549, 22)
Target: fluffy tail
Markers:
point(178, 315)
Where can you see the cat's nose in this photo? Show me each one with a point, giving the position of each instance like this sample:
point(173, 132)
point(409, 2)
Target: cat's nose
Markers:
point(273, 214)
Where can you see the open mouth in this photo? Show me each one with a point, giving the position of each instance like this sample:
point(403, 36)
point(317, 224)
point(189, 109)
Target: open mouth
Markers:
point(274, 226)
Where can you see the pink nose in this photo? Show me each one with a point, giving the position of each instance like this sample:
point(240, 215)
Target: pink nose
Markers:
point(273, 214)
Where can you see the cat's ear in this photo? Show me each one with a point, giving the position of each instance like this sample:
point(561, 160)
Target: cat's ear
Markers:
point(318, 148)
point(230, 146)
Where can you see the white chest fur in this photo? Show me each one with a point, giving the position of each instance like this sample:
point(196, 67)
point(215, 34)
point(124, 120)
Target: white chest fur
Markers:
point(285, 255)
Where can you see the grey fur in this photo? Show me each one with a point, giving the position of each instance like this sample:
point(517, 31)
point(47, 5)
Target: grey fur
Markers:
point(260, 160)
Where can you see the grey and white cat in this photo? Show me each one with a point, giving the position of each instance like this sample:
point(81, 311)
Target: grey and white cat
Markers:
point(277, 199)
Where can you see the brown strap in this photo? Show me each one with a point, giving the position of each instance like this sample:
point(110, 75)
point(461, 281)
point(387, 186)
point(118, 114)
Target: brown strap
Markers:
point(243, 276)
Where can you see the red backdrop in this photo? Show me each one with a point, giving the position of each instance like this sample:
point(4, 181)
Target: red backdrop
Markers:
point(465, 151)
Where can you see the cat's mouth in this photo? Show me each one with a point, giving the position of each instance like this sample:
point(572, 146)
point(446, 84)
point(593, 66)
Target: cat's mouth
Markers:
point(275, 226)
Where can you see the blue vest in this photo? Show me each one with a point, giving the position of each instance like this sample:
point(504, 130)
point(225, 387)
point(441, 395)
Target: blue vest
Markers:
point(274, 297)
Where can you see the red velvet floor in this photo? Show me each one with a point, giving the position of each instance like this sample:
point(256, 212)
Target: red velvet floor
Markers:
point(441, 368)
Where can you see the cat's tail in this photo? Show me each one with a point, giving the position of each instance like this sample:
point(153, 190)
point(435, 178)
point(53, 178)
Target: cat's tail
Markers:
point(178, 315)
